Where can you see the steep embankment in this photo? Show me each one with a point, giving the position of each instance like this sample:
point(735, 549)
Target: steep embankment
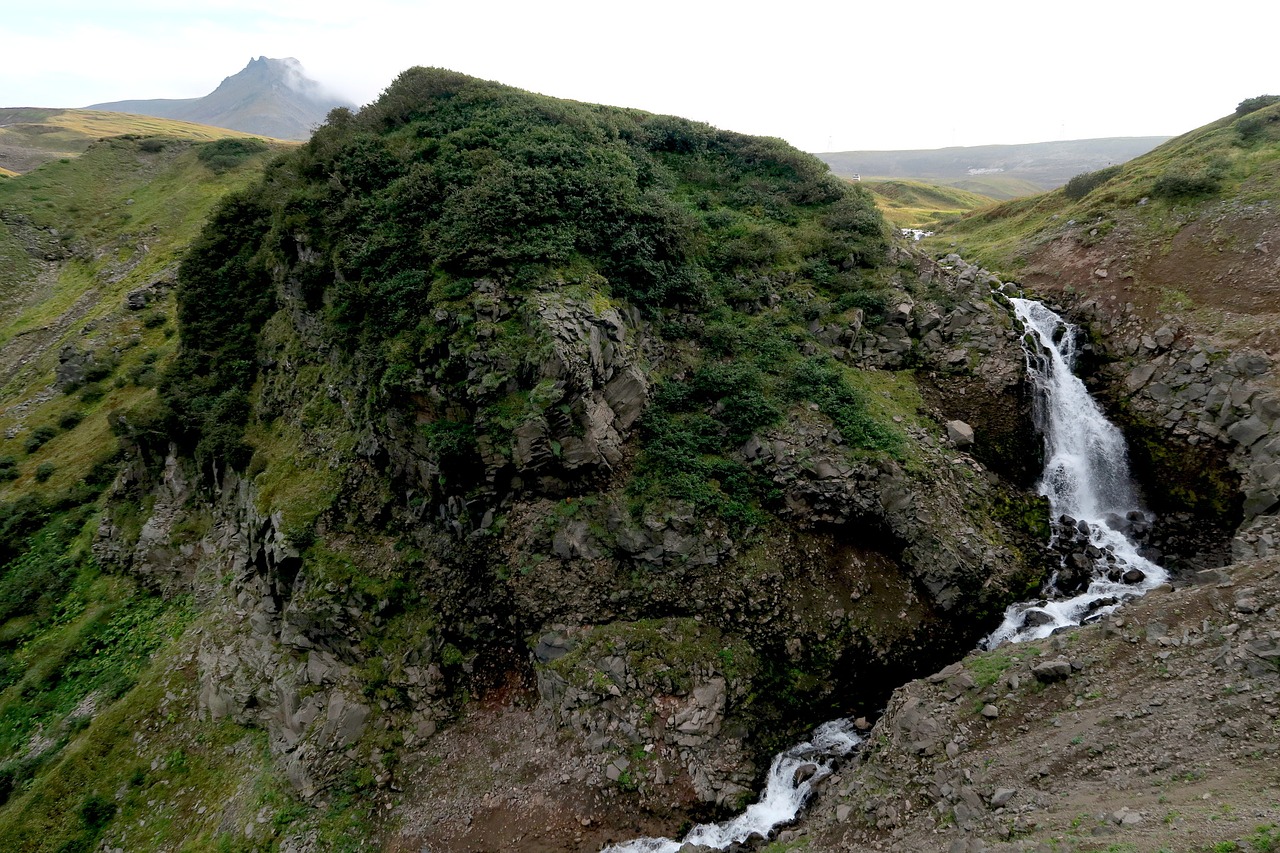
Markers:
point(88, 251)
point(1153, 730)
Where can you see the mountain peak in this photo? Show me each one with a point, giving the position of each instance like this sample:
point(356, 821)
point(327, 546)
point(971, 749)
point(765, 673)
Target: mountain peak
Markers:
point(271, 97)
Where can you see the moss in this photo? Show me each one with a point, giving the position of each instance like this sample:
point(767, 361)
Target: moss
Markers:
point(673, 650)
point(1178, 477)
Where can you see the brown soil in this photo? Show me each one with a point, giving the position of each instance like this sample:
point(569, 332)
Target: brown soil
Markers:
point(1220, 273)
point(514, 787)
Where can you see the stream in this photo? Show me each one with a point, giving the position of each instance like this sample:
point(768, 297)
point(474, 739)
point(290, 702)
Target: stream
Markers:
point(1092, 503)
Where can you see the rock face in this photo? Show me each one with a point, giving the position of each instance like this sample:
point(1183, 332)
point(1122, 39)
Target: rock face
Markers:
point(657, 694)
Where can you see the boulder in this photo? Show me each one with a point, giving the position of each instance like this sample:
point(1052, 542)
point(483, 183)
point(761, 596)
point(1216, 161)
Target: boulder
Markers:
point(1052, 670)
point(959, 433)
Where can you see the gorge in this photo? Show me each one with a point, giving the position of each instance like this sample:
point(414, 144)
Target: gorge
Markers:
point(497, 472)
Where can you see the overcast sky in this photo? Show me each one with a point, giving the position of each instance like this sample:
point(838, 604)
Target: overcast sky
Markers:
point(824, 76)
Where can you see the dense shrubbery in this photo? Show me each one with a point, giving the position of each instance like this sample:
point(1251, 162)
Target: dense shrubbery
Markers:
point(224, 296)
point(223, 154)
point(1180, 183)
point(390, 217)
point(1249, 105)
point(1084, 183)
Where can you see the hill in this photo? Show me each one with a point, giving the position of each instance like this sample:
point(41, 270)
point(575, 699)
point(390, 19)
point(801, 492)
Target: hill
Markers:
point(476, 398)
point(914, 204)
point(1189, 223)
point(30, 137)
point(1000, 171)
point(268, 97)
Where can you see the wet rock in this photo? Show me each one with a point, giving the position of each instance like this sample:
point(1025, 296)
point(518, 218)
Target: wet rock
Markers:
point(1133, 576)
point(803, 774)
point(1034, 618)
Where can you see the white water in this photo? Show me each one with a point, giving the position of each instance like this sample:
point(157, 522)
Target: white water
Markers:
point(781, 801)
point(1086, 476)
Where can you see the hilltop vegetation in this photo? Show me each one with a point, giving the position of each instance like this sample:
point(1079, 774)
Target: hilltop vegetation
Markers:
point(400, 213)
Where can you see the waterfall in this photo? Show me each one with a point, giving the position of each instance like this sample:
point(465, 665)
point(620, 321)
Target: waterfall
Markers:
point(1086, 479)
point(792, 776)
point(1092, 503)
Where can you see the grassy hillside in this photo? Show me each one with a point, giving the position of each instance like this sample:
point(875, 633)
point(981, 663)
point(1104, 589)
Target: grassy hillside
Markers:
point(89, 659)
point(1149, 199)
point(32, 136)
point(915, 204)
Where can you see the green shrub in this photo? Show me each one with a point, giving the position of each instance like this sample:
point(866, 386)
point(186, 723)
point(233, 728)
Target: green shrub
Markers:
point(70, 420)
point(224, 154)
point(1249, 105)
point(39, 438)
point(1084, 183)
point(92, 393)
point(44, 471)
point(8, 468)
point(1255, 127)
point(1180, 184)
point(100, 369)
point(96, 811)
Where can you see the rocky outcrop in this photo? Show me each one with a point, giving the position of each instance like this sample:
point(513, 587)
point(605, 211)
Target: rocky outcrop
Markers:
point(661, 703)
point(350, 638)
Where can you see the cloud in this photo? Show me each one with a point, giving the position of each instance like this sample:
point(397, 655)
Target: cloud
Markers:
point(823, 76)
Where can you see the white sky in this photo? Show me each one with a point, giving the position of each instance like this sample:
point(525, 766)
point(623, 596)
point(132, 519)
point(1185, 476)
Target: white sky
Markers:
point(824, 76)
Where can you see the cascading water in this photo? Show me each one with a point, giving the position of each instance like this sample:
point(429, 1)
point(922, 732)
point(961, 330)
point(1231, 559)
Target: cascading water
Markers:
point(785, 794)
point(1086, 479)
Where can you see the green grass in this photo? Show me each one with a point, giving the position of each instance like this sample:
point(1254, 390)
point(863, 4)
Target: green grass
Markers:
point(1215, 162)
point(123, 217)
point(987, 668)
point(916, 204)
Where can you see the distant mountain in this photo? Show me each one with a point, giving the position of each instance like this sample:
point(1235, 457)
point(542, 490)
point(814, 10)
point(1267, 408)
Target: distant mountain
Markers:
point(270, 97)
point(1002, 171)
